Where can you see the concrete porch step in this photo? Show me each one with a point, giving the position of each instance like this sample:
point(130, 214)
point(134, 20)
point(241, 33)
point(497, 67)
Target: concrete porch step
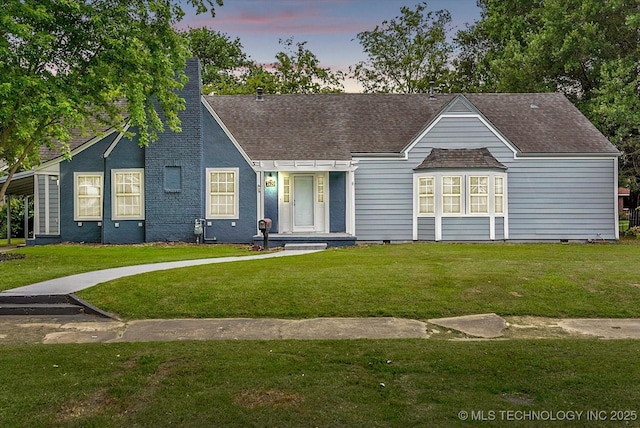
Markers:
point(40, 309)
point(57, 304)
point(305, 246)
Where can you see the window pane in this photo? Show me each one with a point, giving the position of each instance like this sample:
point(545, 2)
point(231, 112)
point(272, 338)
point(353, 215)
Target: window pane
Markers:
point(427, 205)
point(451, 204)
point(89, 196)
point(451, 195)
point(499, 204)
point(479, 204)
point(479, 185)
point(222, 193)
point(128, 194)
point(499, 185)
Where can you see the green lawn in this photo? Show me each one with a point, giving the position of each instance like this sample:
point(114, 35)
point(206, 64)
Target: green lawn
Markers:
point(14, 241)
point(52, 261)
point(411, 281)
point(371, 383)
point(396, 383)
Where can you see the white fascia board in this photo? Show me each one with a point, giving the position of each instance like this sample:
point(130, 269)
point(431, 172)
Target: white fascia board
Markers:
point(305, 165)
point(115, 142)
point(562, 156)
point(79, 149)
point(227, 132)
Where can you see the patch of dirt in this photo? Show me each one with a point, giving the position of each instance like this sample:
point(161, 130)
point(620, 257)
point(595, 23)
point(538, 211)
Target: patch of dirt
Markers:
point(251, 399)
point(521, 398)
point(91, 405)
point(11, 256)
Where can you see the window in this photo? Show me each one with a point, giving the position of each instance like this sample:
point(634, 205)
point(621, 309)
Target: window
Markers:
point(128, 194)
point(320, 181)
point(478, 195)
point(88, 196)
point(451, 195)
point(222, 193)
point(286, 189)
point(460, 195)
point(426, 195)
point(499, 194)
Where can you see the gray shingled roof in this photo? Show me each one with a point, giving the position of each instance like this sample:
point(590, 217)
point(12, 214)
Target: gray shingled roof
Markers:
point(460, 158)
point(542, 123)
point(325, 126)
point(333, 126)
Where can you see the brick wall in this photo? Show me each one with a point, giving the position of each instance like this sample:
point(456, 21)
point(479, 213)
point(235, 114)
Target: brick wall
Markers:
point(170, 212)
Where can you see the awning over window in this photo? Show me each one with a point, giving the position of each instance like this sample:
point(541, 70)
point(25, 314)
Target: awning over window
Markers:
point(460, 158)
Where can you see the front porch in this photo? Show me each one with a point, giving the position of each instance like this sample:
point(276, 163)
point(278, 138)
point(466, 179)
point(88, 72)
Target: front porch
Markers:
point(331, 239)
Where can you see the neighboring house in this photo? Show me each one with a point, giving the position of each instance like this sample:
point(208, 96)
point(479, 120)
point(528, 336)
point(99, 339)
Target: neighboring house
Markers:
point(341, 169)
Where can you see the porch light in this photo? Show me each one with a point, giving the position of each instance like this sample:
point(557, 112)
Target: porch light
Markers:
point(270, 181)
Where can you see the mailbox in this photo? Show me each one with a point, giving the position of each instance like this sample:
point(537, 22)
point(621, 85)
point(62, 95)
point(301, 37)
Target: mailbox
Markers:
point(264, 225)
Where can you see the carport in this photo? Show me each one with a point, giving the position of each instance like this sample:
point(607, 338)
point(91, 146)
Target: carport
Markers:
point(22, 184)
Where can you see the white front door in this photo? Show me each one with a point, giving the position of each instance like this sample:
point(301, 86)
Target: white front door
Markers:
point(303, 203)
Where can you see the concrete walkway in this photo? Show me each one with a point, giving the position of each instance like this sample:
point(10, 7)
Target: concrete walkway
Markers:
point(18, 330)
point(74, 283)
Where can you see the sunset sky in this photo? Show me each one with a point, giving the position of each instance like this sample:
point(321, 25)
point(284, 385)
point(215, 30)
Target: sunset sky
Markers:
point(328, 26)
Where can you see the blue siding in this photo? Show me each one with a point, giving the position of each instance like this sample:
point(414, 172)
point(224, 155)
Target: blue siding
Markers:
point(465, 228)
point(271, 202)
point(89, 160)
point(548, 199)
point(499, 228)
point(126, 154)
point(219, 152)
point(562, 199)
point(426, 229)
point(337, 202)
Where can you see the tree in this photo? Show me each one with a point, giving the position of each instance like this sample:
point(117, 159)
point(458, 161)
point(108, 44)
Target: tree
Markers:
point(406, 53)
point(587, 49)
point(64, 66)
point(223, 60)
point(298, 71)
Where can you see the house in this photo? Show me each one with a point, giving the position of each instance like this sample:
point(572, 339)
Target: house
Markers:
point(340, 169)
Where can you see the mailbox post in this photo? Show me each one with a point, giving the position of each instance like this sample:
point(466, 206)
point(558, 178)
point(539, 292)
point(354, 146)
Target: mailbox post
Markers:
point(265, 225)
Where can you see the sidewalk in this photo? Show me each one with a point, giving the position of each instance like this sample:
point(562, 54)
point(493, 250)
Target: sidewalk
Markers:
point(21, 330)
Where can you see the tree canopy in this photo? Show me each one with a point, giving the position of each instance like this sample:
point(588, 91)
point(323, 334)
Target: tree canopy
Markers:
point(227, 70)
point(63, 66)
point(586, 49)
point(406, 53)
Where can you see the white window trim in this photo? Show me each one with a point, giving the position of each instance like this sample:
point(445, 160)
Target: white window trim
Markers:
point(114, 215)
point(76, 205)
point(438, 215)
point(461, 195)
point(488, 195)
point(465, 196)
point(235, 214)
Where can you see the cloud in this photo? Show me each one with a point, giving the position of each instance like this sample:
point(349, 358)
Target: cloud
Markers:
point(281, 17)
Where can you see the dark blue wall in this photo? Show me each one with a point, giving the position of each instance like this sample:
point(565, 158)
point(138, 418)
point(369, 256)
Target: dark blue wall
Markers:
point(170, 213)
point(220, 152)
point(88, 160)
point(271, 202)
point(126, 154)
point(337, 202)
